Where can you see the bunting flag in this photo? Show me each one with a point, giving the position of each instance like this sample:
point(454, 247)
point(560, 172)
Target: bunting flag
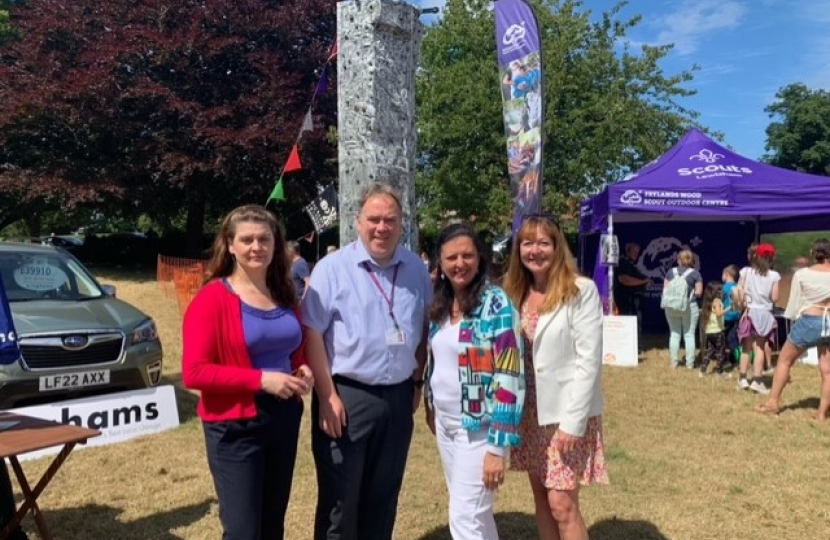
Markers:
point(278, 193)
point(323, 83)
point(309, 237)
point(308, 123)
point(9, 349)
point(323, 209)
point(293, 163)
point(520, 71)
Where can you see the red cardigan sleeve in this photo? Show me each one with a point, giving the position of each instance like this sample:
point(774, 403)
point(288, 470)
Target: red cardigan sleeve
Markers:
point(205, 365)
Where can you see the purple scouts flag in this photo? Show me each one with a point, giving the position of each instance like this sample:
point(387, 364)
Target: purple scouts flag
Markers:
point(520, 75)
point(9, 349)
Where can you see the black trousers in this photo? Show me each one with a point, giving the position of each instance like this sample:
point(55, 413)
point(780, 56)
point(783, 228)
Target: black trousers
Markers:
point(360, 474)
point(252, 463)
point(7, 506)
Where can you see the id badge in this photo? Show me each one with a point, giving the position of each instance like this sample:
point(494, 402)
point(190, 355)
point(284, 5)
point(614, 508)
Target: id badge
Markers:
point(395, 337)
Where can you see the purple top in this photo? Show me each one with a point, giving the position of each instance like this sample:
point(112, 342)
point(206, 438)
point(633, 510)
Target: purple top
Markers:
point(271, 335)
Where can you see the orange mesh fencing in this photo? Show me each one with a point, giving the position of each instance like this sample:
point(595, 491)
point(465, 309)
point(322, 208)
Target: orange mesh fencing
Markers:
point(184, 276)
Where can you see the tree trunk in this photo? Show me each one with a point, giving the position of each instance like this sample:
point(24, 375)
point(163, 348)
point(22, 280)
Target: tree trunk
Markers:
point(34, 224)
point(196, 200)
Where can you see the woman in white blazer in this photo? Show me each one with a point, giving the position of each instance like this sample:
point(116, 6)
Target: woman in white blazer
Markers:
point(562, 425)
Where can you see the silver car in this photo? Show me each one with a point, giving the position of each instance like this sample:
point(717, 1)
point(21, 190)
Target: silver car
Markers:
point(75, 337)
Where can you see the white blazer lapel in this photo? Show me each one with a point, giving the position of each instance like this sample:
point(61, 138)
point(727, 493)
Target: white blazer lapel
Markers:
point(544, 321)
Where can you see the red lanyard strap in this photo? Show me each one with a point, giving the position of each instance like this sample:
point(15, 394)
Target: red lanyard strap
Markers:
point(390, 298)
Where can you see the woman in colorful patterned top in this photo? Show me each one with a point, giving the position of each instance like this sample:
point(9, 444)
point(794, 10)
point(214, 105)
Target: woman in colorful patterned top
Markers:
point(474, 382)
point(562, 428)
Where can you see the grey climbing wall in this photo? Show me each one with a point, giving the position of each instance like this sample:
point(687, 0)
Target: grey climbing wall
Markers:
point(380, 43)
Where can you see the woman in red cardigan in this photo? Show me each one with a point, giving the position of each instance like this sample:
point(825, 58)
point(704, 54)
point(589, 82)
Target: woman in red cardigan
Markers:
point(243, 349)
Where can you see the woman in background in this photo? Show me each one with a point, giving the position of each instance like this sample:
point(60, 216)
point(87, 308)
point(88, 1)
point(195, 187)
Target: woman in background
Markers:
point(243, 349)
point(809, 307)
point(684, 323)
point(562, 428)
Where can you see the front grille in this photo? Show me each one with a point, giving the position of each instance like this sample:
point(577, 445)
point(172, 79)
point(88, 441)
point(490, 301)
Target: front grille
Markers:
point(48, 353)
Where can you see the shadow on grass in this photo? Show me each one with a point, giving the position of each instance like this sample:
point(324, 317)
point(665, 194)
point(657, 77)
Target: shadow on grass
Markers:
point(806, 403)
point(512, 525)
point(519, 526)
point(621, 529)
point(98, 521)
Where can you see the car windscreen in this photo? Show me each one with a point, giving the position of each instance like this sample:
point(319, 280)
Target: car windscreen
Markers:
point(46, 276)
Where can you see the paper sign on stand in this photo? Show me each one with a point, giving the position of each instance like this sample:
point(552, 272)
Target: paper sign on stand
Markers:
point(120, 416)
point(810, 357)
point(619, 341)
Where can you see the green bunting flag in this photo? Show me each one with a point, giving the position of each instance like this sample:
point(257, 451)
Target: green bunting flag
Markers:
point(277, 194)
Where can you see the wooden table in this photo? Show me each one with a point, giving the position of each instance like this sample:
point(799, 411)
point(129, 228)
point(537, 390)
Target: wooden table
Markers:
point(29, 435)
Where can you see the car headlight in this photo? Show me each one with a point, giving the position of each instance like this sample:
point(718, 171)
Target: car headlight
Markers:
point(144, 332)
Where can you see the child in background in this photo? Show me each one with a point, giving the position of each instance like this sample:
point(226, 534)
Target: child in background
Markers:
point(711, 322)
point(730, 320)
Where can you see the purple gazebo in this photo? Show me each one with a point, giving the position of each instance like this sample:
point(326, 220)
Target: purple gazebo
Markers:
point(702, 196)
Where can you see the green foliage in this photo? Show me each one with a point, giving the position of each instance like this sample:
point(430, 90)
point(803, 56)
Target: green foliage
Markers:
point(790, 246)
point(7, 30)
point(608, 110)
point(799, 136)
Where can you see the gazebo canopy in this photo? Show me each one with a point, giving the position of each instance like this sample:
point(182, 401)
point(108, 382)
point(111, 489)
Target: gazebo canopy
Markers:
point(700, 180)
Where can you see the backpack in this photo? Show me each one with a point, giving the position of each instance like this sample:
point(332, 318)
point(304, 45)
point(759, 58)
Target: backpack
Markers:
point(676, 294)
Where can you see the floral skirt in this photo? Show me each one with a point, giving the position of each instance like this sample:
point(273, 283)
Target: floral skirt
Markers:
point(584, 465)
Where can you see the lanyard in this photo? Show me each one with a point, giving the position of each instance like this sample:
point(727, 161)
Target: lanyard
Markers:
point(390, 299)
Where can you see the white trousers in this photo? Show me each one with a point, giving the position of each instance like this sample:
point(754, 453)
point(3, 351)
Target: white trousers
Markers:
point(471, 504)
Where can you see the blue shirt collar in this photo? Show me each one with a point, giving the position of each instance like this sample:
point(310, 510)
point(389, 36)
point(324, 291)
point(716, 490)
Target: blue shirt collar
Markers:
point(361, 255)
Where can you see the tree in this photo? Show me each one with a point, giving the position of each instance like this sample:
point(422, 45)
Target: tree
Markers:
point(799, 136)
point(7, 30)
point(608, 112)
point(146, 106)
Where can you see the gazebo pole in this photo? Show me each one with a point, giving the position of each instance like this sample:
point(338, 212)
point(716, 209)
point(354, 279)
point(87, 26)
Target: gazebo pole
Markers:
point(610, 268)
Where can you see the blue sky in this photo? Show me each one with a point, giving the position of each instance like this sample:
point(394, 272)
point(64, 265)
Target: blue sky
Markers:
point(746, 50)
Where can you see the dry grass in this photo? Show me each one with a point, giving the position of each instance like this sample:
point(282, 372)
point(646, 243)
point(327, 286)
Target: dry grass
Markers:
point(688, 460)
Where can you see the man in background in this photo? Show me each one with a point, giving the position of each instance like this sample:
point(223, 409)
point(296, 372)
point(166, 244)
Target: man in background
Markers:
point(630, 283)
point(630, 287)
point(300, 272)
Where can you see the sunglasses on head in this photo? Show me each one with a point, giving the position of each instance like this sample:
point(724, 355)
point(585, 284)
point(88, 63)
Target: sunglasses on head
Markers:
point(542, 215)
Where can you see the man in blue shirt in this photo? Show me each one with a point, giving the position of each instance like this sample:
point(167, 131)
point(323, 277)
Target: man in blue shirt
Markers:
point(365, 311)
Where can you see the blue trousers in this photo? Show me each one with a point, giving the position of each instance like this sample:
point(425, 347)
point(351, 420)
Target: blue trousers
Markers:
point(360, 474)
point(252, 463)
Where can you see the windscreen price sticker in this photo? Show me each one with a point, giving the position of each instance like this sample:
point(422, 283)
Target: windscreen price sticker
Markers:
point(38, 275)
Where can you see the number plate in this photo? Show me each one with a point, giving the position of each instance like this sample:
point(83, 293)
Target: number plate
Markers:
point(66, 381)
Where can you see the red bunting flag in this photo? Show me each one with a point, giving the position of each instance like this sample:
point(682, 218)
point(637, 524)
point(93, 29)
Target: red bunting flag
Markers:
point(334, 50)
point(293, 163)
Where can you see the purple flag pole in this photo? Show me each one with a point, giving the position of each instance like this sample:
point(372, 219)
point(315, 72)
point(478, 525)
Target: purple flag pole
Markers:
point(520, 73)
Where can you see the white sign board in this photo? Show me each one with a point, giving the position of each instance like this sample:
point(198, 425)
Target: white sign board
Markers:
point(810, 356)
point(119, 417)
point(619, 341)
